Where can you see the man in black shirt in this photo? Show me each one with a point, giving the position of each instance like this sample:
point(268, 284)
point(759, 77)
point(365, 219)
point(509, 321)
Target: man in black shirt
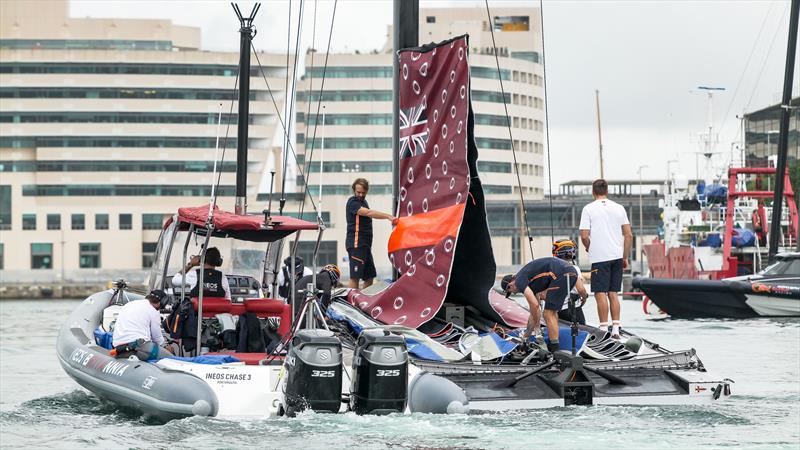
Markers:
point(549, 279)
point(359, 234)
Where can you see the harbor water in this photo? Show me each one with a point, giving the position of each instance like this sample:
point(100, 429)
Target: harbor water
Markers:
point(41, 407)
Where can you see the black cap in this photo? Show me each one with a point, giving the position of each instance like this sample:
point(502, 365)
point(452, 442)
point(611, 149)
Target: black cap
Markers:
point(157, 294)
point(505, 283)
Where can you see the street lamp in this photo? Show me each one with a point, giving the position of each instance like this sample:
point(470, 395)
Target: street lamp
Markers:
point(641, 228)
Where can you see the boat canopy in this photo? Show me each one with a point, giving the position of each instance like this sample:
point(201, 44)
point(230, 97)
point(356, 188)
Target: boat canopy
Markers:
point(242, 227)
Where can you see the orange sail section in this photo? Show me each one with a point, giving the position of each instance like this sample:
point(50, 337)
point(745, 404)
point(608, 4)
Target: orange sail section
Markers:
point(426, 229)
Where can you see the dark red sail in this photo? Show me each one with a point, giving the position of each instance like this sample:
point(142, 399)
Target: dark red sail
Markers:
point(441, 246)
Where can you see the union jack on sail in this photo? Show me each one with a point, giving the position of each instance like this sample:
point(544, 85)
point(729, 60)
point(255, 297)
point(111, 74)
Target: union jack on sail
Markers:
point(413, 130)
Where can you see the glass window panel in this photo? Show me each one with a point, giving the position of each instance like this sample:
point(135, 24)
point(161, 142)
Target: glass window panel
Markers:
point(89, 257)
point(125, 221)
point(54, 221)
point(41, 256)
point(152, 221)
point(29, 221)
point(78, 222)
point(5, 206)
point(101, 221)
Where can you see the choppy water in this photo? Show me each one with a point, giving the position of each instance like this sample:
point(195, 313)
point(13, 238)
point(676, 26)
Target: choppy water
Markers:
point(40, 407)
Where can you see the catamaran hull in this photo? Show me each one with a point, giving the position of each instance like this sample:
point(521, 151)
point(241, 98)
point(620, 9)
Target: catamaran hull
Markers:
point(486, 391)
point(694, 299)
point(726, 299)
point(143, 387)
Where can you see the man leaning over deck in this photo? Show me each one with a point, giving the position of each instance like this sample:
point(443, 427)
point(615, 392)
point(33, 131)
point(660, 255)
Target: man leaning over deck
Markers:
point(606, 235)
point(359, 234)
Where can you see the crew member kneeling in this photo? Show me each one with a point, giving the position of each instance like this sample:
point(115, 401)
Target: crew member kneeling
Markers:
point(138, 329)
point(550, 279)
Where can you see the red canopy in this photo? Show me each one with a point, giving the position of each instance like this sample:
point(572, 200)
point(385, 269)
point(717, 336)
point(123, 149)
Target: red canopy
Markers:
point(245, 227)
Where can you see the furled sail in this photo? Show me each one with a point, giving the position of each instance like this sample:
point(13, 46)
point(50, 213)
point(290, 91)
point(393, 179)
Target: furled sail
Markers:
point(441, 246)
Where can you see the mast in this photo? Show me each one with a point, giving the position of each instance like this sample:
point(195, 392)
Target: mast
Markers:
point(783, 137)
point(246, 37)
point(599, 133)
point(405, 29)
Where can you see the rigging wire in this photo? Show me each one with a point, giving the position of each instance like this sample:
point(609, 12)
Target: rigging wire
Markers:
point(225, 140)
point(290, 95)
point(280, 118)
point(746, 66)
point(310, 154)
point(547, 122)
point(510, 135)
point(311, 80)
point(766, 58)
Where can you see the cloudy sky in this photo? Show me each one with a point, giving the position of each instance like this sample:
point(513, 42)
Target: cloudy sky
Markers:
point(646, 58)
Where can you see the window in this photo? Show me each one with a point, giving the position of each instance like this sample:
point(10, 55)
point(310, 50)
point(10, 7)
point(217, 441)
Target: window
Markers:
point(78, 222)
point(490, 96)
point(346, 96)
point(2, 256)
point(350, 72)
point(351, 143)
point(41, 256)
point(327, 252)
point(148, 254)
point(117, 117)
point(152, 221)
point(511, 23)
point(127, 190)
point(5, 207)
point(113, 166)
point(138, 68)
point(489, 119)
point(54, 221)
point(29, 221)
point(527, 56)
point(89, 255)
point(430, 19)
point(493, 143)
point(492, 166)
point(122, 92)
point(116, 141)
point(125, 221)
point(101, 221)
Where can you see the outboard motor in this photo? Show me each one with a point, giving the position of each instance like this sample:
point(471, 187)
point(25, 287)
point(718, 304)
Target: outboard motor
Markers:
point(313, 372)
point(380, 373)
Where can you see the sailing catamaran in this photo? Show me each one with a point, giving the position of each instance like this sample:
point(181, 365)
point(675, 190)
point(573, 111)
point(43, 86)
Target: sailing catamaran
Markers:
point(378, 352)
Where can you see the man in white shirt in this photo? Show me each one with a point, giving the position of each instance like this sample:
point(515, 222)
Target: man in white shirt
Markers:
point(606, 235)
point(138, 329)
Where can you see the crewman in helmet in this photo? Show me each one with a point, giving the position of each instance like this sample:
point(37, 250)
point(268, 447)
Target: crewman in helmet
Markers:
point(549, 279)
point(567, 250)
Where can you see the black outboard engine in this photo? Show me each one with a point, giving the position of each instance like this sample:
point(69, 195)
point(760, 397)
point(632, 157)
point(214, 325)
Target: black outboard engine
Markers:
point(380, 373)
point(313, 372)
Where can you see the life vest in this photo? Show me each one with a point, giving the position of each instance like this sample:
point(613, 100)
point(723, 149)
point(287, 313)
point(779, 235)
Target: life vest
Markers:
point(212, 284)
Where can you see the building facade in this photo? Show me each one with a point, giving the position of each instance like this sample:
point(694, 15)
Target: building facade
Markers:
point(106, 127)
point(761, 130)
point(344, 127)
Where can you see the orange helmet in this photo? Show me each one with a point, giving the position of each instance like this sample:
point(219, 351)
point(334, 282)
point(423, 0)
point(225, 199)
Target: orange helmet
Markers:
point(565, 249)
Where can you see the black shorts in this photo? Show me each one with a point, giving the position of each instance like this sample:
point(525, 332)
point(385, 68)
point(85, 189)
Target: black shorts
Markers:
point(362, 267)
point(558, 290)
point(607, 276)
